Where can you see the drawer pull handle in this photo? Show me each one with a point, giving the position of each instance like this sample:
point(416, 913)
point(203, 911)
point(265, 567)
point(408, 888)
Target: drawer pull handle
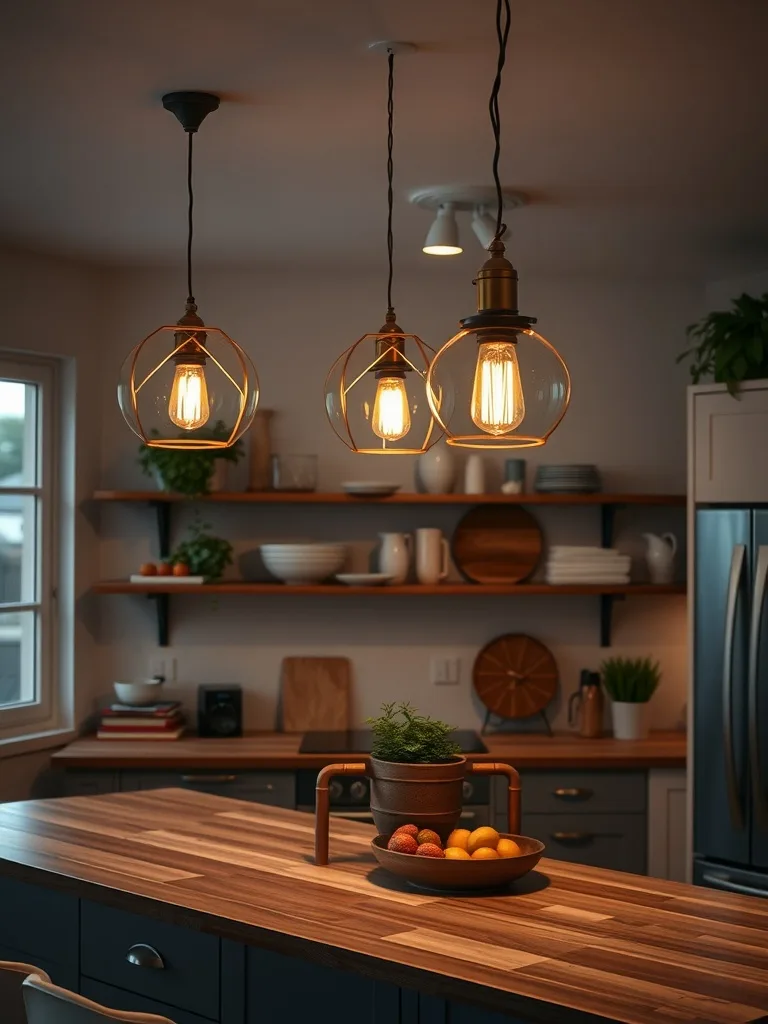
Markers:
point(572, 793)
point(142, 955)
point(210, 780)
point(572, 837)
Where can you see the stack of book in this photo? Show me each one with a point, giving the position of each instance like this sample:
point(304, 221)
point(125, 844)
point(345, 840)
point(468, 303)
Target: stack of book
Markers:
point(153, 722)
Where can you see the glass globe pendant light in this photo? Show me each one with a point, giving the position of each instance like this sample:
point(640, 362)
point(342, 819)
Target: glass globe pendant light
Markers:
point(513, 387)
point(375, 391)
point(188, 385)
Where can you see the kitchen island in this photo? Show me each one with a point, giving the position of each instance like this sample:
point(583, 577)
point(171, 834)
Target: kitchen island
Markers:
point(223, 895)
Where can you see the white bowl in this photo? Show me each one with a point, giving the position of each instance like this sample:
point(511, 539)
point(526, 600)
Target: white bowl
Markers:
point(298, 564)
point(139, 692)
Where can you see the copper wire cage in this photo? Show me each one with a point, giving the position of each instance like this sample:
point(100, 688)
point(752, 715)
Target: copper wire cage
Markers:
point(146, 385)
point(351, 389)
point(544, 387)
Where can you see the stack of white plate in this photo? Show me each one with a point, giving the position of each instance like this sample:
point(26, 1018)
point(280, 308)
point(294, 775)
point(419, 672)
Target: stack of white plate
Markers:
point(298, 564)
point(576, 479)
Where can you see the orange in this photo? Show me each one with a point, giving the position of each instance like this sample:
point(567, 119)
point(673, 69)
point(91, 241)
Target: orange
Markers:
point(485, 853)
point(485, 836)
point(508, 848)
point(458, 839)
point(456, 853)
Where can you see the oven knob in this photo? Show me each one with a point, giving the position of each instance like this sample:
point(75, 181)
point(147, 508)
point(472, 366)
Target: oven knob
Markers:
point(358, 790)
point(467, 790)
point(335, 789)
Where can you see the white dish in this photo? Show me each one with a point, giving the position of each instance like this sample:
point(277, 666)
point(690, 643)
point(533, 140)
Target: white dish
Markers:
point(363, 579)
point(137, 578)
point(298, 564)
point(139, 692)
point(371, 489)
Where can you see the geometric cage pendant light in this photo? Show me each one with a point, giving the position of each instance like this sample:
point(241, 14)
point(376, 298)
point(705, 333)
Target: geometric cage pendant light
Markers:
point(512, 386)
point(375, 392)
point(188, 385)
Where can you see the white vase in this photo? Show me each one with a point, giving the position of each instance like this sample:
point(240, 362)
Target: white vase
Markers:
point(630, 721)
point(395, 556)
point(474, 475)
point(436, 469)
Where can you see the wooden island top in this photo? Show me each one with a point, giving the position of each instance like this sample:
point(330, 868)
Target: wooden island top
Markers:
point(280, 751)
point(570, 944)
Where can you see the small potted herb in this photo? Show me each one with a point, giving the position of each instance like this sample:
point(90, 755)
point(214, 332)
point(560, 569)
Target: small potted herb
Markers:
point(731, 345)
point(630, 683)
point(417, 771)
point(190, 471)
point(203, 554)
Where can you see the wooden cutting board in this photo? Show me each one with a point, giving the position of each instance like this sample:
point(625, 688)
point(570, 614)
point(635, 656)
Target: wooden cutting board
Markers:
point(315, 693)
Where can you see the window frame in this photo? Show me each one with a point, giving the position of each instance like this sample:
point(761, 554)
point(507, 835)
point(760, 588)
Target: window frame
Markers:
point(19, 720)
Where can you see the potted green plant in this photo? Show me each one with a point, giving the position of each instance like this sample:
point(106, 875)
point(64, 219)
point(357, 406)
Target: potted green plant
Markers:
point(731, 345)
point(630, 683)
point(190, 471)
point(417, 771)
point(203, 554)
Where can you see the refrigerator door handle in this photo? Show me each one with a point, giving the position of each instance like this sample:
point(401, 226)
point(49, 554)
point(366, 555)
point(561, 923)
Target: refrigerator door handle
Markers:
point(758, 602)
point(738, 561)
point(724, 882)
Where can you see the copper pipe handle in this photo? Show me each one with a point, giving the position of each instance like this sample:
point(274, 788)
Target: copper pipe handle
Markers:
point(513, 789)
point(322, 804)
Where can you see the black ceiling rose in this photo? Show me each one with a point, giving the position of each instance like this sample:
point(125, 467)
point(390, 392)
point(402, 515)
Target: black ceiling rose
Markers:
point(190, 108)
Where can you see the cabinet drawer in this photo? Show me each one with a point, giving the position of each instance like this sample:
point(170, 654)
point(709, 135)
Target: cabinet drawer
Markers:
point(88, 783)
point(275, 788)
point(38, 922)
point(117, 999)
point(189, 977)
point(553, 792)
point(60, 974)
point(616, 841)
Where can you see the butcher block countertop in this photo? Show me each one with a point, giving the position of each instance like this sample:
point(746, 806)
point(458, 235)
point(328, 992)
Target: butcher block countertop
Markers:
point(570, 944)
point(278, 751)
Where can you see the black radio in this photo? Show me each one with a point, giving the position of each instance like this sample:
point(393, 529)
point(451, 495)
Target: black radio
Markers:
point(219, 711)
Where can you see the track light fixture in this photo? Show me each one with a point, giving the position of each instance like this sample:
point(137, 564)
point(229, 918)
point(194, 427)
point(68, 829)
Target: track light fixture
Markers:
point(484, 226)
point(448, 200)
point(443, 237)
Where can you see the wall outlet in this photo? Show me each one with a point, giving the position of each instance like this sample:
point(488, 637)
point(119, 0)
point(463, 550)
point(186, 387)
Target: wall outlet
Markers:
point(163, 665)
point(445, 671)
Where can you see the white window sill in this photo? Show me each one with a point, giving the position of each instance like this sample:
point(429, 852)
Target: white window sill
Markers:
point(28, 744)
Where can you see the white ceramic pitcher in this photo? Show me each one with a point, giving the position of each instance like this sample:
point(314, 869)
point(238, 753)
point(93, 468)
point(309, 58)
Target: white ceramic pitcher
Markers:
point(395, 556)
point(660, 556)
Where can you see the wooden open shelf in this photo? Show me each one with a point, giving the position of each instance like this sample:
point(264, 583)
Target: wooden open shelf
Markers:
point(411, 589)
point(316, 498)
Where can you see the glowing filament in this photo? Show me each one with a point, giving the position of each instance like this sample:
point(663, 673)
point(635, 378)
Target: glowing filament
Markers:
point(497, 395)
point(188, 406)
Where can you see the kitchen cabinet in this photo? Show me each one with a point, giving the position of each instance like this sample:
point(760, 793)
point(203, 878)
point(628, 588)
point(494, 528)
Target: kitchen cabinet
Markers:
point(586, 817)
point(668, 824)
point(275, 788)
point(727, 456)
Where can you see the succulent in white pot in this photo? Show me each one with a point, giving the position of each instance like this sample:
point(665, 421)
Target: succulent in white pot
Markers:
point(630, 683)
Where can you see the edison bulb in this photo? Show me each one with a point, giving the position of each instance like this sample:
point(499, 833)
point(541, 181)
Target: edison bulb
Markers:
point(391, 415)
point(497, 394)
point(188, 406)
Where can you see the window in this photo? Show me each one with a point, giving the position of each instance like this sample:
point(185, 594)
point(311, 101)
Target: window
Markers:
point(28, 560)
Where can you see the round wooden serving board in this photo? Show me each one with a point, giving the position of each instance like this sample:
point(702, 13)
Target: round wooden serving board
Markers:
point(497, 544)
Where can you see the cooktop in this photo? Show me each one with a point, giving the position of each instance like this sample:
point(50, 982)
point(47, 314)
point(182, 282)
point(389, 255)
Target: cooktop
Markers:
point(359, 741)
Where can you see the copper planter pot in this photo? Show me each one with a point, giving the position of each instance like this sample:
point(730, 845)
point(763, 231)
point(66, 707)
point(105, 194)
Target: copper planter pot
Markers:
point(430, 794)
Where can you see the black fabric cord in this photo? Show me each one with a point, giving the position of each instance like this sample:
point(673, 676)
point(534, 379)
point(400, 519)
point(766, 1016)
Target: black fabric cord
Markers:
point(190, 206)
point(390, 169)
point(503, 21)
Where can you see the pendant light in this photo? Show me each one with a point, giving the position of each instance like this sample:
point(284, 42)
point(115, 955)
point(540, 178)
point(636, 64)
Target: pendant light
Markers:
point(513, 387)
point(375, 391)
point(188, 385)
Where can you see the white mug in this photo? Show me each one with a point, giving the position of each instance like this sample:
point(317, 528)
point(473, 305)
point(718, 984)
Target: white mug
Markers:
point(432, 556)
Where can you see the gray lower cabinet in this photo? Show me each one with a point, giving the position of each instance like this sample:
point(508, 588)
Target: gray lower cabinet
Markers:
point(89, 783)
point(275, 788)
point(119, 999)
point(598, 818)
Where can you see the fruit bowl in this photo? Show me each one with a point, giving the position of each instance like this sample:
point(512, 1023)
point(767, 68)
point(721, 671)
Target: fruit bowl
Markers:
point(438, 873)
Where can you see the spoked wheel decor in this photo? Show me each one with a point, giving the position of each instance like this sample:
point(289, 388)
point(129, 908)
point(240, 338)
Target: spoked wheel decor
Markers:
point(515, 677)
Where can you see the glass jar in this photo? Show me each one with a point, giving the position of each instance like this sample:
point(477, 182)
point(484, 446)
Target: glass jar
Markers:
point(294, 472)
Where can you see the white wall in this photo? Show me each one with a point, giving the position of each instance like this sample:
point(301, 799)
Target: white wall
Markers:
point(619, 338)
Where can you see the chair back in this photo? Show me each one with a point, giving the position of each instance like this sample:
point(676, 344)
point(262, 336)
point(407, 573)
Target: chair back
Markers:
point(48, 1004)
point(12, 975)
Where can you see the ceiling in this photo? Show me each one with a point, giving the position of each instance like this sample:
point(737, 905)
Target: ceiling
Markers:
point(637, 128)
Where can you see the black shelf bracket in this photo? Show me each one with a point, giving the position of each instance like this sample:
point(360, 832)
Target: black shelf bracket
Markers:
point(607, 529)
point(163, 512)
point(162, 604)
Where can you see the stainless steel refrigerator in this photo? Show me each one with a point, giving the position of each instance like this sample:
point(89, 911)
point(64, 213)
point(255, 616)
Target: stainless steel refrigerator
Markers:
point(730, 711)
